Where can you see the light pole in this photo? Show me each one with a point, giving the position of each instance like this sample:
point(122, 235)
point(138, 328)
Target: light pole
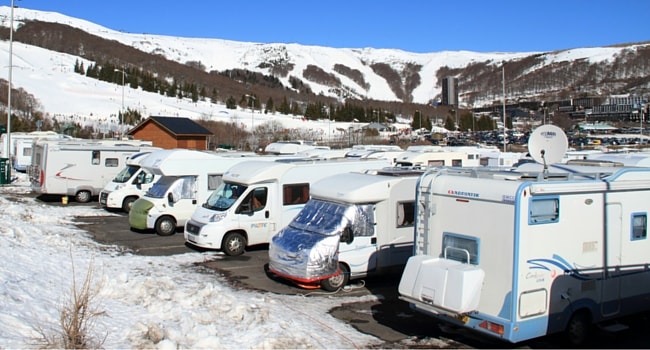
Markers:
point(11, 40)
point(503, 82)
point(122, 110)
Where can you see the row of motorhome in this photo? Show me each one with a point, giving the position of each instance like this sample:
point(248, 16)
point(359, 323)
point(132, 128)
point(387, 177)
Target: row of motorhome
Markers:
point(185, 178)
point(515, 253)
point(257, 198)
point(511, 253)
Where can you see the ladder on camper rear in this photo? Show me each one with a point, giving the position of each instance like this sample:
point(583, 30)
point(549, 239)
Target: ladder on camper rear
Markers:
point(423, 212)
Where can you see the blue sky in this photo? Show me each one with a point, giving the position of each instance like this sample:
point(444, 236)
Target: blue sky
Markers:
point(415, 26)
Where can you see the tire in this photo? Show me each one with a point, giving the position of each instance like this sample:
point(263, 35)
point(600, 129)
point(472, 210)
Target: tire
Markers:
point(128, 203)
point(83, 196)
point(166, 226)
point(337, 282)
point(234, 243)
point(578, 328)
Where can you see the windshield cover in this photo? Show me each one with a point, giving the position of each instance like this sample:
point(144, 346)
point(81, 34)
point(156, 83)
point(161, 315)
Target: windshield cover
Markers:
point(224, 196)
point(161, 186)
point(328, 218)
point(125, 174)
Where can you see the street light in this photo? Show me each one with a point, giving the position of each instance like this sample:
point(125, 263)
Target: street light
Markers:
point(503, 82)
point(11, 40)
point(122, 111)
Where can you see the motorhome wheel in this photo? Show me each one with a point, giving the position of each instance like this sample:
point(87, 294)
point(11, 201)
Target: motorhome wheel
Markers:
point(578, 328)
point(337, 282)
point(166, 226)
point(127, 203)
point(233, 244)
point(83, 196)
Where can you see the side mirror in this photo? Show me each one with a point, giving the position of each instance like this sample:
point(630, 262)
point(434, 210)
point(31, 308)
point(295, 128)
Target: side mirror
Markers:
point(347, 236)
point(170, 197)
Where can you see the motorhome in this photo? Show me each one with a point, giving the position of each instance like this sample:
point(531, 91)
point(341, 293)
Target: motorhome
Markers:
point(518, 255)
point(128, 185)
point(21, 146)
point(76, 168)
point(257, 199)
point(184, 179)
point(355, 224)
point(390, 152)
point(427, 156)
point(291, 147)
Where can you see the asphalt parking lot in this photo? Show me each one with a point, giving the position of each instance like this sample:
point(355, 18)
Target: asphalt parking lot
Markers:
point(387, 318)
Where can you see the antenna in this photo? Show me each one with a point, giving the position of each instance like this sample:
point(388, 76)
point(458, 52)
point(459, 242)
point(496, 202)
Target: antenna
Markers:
point(547, 145)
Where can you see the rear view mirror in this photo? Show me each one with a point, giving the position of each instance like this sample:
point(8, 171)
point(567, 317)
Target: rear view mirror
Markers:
point(347, 236)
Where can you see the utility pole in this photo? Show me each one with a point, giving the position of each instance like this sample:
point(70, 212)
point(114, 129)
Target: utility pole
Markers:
point(503, 82)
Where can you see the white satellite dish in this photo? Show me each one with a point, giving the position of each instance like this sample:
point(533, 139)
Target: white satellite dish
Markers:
point(547, 144)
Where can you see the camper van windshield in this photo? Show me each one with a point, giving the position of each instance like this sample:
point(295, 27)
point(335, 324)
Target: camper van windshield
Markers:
point(328, 218)
point(160, 188)
point(125, 174)
point(224, 196)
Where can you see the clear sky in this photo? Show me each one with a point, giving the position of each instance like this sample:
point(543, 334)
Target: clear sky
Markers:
point(415, 26)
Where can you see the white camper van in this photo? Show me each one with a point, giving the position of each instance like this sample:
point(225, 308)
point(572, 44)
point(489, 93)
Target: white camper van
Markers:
point(518, 255)
point(76, 168)
point(21, 146)
point(257, 199)
point(355, 224)
point(185, 178)
point(128, 185)
point(427, 156)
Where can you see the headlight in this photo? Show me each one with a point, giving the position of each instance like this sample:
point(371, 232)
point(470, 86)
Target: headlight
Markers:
point(217, 217)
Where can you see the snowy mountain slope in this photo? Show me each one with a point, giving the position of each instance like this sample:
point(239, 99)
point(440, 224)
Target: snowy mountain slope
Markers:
point(352, 72)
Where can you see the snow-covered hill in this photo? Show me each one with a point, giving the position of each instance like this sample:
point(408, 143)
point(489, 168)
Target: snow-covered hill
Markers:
point(48, 75)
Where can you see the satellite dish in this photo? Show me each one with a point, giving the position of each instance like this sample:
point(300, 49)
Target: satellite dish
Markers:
point(547, 144)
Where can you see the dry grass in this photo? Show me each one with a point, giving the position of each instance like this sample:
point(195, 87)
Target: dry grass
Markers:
point(77, 317)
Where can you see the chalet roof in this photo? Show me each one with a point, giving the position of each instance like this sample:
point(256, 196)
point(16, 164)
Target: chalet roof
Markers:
point(178, 126)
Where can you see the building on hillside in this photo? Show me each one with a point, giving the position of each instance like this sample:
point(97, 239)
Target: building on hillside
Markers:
point(450, 91)
point(172, 132)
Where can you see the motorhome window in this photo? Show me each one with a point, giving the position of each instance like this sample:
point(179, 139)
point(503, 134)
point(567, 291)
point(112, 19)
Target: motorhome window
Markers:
point(544, 210)
point(224, 196)
point(95, 158)
point(125, 174)
point(639, 226)
point(436, 163)
point(456, 162)
point(258, 198)
point(111, 162)
point(159, 189)
point(185, 188)
point(405, 214)
point(459, 248)
point(145, 177)
point(295, 194)
point(214, 181)
point(27, 151)
point(328, 218)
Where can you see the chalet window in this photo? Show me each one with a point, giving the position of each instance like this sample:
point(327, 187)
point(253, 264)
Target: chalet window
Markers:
point(639, 226)
point(405, 214)
point(460, 248)
point(544, 210)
